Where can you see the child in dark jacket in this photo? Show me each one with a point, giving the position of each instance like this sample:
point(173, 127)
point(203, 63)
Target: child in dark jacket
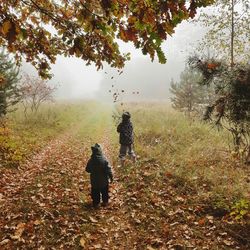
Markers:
point(100, 174)
point(125, 128)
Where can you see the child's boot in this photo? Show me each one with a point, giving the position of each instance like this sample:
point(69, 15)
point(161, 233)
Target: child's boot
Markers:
point(134, 158)
point(105, 204)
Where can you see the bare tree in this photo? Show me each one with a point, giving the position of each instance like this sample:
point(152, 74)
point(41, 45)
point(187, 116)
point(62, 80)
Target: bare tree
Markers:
point(35, 91)
point(228, 30)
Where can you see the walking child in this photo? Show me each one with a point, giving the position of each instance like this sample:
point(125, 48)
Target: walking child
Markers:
point(125, 128)
point(100, 175)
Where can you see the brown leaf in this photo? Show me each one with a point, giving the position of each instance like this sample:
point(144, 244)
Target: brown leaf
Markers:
point(6, 27)
point(179, 198)
point(82, 242)
point(19, 231)
point(228, 242)
point(93, 219)
point(3, 242)
point(150, 248)
point(37, 222)
point(146, 174)
point(202, 221)
point(98, 246)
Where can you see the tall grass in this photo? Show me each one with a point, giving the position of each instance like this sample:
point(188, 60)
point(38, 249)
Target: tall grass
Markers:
point(191, 150)
point(28, 133)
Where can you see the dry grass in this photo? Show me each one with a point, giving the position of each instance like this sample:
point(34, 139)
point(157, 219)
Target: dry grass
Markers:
point(191, 150)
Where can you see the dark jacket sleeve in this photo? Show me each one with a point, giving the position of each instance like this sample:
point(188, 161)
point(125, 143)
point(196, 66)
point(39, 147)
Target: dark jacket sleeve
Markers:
point(119, 128)
point(89, 166)
point(109, 171)
point(132, 127)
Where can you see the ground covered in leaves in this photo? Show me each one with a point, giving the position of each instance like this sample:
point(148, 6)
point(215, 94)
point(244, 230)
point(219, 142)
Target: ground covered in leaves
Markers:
point(45, 203)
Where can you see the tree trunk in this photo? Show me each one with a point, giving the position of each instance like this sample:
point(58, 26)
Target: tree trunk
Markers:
point(248, 156)
point(232, 35)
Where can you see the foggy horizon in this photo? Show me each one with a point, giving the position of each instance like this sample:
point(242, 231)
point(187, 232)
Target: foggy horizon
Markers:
point(75, 80)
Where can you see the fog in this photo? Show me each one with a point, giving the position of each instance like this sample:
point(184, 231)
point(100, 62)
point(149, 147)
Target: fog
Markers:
point(75, 80)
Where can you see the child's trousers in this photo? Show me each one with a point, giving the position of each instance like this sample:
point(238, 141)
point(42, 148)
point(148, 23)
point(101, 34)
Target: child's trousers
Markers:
point(96, 194)
point(124, 149)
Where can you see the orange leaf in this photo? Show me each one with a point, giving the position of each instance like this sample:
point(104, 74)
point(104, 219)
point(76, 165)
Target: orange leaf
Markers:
point(6, 27)
point(202, 221)
point(211, 65)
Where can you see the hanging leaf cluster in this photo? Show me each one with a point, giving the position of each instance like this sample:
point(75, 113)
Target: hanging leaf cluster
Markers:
point(41, 30)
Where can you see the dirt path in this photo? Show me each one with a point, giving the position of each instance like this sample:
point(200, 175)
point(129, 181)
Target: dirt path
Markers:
point(111, 226)
point(35, 197)
point(12, 181)
point(46, 203)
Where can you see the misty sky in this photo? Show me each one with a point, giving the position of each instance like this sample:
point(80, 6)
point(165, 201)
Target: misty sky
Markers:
point(76, 80)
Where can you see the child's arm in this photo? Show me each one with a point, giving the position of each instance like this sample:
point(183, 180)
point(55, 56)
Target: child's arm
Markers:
point(119, 127)
point(88, 167)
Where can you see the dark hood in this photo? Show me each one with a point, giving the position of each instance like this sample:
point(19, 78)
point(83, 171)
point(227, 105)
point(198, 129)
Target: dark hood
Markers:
point(97, 152)
point(126, 116)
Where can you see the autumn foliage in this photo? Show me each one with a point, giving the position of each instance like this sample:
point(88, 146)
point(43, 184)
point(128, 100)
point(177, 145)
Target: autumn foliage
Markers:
point(231, 108)
point(41, 30)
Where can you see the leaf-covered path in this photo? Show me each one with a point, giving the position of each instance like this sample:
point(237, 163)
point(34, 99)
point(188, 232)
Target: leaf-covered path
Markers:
point(45, 204)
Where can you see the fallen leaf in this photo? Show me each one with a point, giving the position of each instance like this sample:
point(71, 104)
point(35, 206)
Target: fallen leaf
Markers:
point(150, 248)
point(3, 242)
point(146, 174)
point(228, 243)
point(19, 231)
point(20, 228)
point(93, 219)
point(180, 199)
point(202, 221)
point(104, 230)
point(37, 222)
point(137, 221)
point(82, 242)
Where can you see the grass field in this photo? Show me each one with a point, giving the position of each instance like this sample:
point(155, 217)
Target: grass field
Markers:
point(28, 134)
point(186, 191)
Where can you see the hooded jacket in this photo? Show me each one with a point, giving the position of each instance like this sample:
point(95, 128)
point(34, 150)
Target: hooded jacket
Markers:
point(125, 128)
point(99, 169)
